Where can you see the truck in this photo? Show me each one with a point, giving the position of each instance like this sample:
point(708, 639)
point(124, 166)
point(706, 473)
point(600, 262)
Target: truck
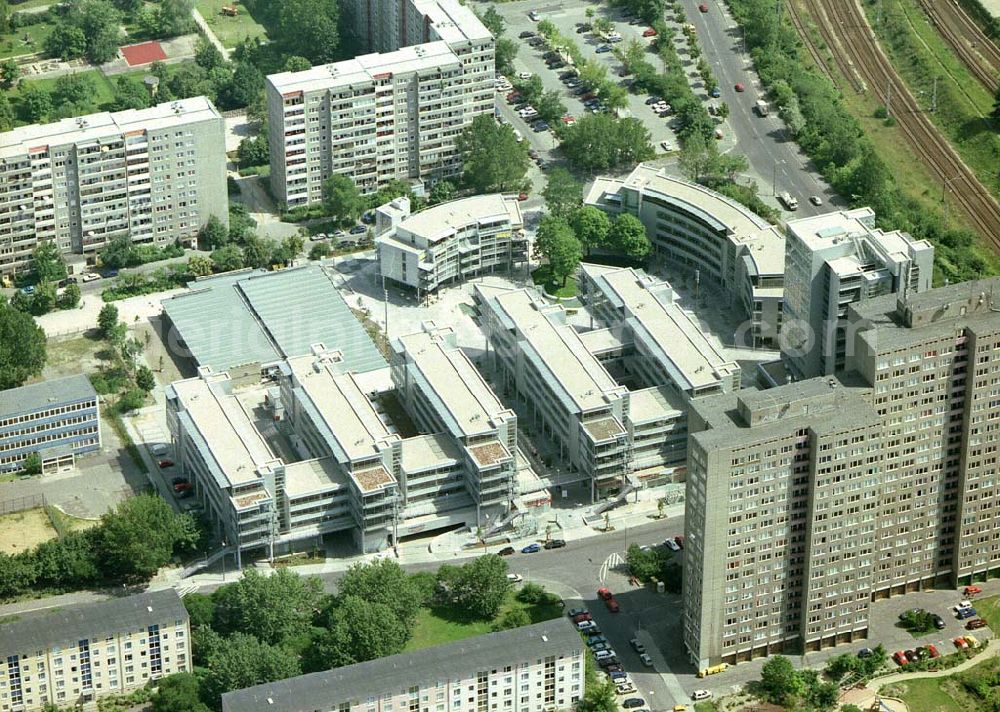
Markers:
point(788, 201)
point(761, 107)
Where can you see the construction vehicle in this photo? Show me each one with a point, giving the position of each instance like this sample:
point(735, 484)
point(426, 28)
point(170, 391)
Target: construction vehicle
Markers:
point(712, 670)
point(230, 10)
point(788, 201)
point(761, 107)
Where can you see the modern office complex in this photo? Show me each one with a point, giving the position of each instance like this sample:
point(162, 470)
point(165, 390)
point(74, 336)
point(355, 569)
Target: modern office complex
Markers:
point(711, 236)
point(806, 501)
point(536, 668)
point(72, 656)
point(834, 260)
point(394, 115)
point(280, 466)
point(450, 242)
point(444, 393)
point(58, 419)
point(155, 175)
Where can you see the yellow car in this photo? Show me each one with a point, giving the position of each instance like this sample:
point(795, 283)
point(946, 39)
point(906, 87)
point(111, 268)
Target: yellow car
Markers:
point(680, 708)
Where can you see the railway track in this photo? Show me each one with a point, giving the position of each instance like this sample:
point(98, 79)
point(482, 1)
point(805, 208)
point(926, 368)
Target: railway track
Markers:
point(855, 49)
point(975, 49)
point(814, 52)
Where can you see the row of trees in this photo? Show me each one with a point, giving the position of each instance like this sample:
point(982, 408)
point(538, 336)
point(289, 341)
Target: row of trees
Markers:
point(598, 142)
point(122, 252)
point(656, 563)
point(22, 347)
point(121, 375)
point(813, 111)
point(128, 546)
point(47, 269)
point(266, 628)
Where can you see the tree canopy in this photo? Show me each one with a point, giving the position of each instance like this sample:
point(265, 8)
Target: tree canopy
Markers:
point(563, 193)
point(383, 581)
point(243, 661)
point(591, 226)
point(178, 693)
point(47, 262)
point(358, 630)
point(493, 160)
point(628, 234)
point(599, 141)
point(272, 608)
point(22, 347)
point(480, 587)
point(342, 198)
point(556, 242)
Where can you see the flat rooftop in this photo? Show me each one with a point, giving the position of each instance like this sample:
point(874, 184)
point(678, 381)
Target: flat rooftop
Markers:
point(656, 403)
point(94, 127)
point(397, 673)
point(486, 454)
point(604, 428)
point(255, 316)
point(556, 349)
point(372, 478)
point(428, 452)
point(45, 394)
point(647, 304)
point(451, 21)
point(454, 386)
point(822, 231)
point(227, 430)
point(443, 220)
point(340, 409)
point(313, 477)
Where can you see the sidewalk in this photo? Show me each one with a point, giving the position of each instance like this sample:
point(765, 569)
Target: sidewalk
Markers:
point(991, 652)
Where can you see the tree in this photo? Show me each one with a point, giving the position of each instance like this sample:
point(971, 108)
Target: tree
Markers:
point(66, 42)
point(778, 680)
point(297, 64)
point(200, 608)
point(75, 88)
point(563, 193)
point(492, 157)
point(505, 53)
point(256, 252)
point(70, 298)
point(107, 320)
point(996, 106)
point(174, 17)
point(213, 234)
point(6, 113)
point(443, 191)
point(252, 151)
point(200, 266)
point(319, 251)
point(228, 258)
point(140, 536)
point(292, 245)
point(696, 158)
point(274, 609)
point(550, 106)
point(479, 587)
point(47, 262)
point(494, 21)
point(246, 83)
point(556, 242)
point(383, 581)
point(9, 73)
point(308, 28)
point(101, 23)
point(629, 235)
point(121, 252)
point(591, 226)
point(43, 300)
point(206, 55)
point(243, 661)
point(130, 94)
point(32, 464)
point(599, 141)
point(602, 697)
point(178, 693)
point(144, 379)
point(22, 347)
point(36, 102)
point(359, 630)
point(513, 618)
point(342, 199)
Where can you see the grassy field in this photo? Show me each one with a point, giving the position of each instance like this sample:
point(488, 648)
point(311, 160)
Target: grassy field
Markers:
point(927, 695)
point(436, 626)
point(24, 40)
point(230, 30)
point(69, 355)
point(989, 609)
point(543, 276)
point(21, 531)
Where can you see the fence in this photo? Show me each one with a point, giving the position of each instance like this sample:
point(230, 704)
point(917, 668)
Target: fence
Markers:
point(19, 504)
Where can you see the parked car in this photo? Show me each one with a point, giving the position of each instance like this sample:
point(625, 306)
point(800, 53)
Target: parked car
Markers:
point(576, 611)
point(972, 641)
point(653, 100)
point(703, 7)
point(932, 650)
point(534, 16)
point(179, 480)
point(904, 614)
point(524, 75)
point(967, 613)
point(971, 590)
point(506, 551)
point(938, 622)
point(715, 93)
point(739, 86)
point(522, 196)
point(604, 654)
point(603, 49)
point(165, 463)
point(960, 643)
point(583, 27)
point(960, 605)
point(555, 544)
point(645, 659)
point(637, 646)
point(579, 617)
point(649, 32)
point(605, 662)
point(604, 593)
point(527, 34)
point(618, 677)
point(700, 695)
point(599, 647)
point(539, 126)
point(612, 604)
point(625, 688)
point(182, 486)
point(975, 624)
point(532, 548)
point(633, 702)
point(515, 578)
point(816, 200)
point(358, 230)
point(680, 540)
point(586, 625)
point(596, 639)
point(568, 120)
point(614, 669)
point(90, 277)
point(185, 494)
point(900, 657)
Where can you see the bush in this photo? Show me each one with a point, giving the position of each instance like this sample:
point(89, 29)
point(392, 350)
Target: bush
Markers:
point(531, 593)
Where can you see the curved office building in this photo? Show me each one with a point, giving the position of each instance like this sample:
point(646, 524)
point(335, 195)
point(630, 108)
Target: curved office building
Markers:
point(698, 229)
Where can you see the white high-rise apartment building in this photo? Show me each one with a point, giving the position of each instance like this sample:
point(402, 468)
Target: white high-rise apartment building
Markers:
point(153, 174)
point(834, 260)
point(391, 115)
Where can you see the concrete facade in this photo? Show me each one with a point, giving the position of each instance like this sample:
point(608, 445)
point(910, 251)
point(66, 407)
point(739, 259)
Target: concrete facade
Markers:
point(394, 115)
point(155, 175)
point(56, 419)
point(74, 656)
point(834, 260)
point(450, 242)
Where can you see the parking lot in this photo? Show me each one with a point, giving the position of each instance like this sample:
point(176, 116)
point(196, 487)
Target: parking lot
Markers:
point(568, 19)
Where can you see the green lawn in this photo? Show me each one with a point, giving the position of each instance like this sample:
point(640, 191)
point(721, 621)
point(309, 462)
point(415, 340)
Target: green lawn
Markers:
point(24, 40)
point(543, 276)
point(436, 626)
point(927, 695)
point(230, 30)
point(18, 5)
point(989, 609)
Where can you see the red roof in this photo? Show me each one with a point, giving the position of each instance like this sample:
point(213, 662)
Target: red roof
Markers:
point(143, 53)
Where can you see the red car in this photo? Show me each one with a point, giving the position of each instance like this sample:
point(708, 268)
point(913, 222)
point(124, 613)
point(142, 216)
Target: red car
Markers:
point(588, 96)
point(579, 617)
point(900, 657)
point(568, 120)
point(513, 97)
point(975, 624)
point(182, 486)
point(166, 463)
point(522, 196)
point(611, 603)
point(680, 541)
point(739, 87)
point(703, 7)
point(961, 643)
point(932, 650)
point(972, 590)
point(604, 593)
point(649, 32)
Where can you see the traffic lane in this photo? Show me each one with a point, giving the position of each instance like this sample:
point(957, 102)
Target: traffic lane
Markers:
point(721, 41)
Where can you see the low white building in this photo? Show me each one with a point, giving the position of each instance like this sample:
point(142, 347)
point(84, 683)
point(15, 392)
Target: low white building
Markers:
point(449, 242)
